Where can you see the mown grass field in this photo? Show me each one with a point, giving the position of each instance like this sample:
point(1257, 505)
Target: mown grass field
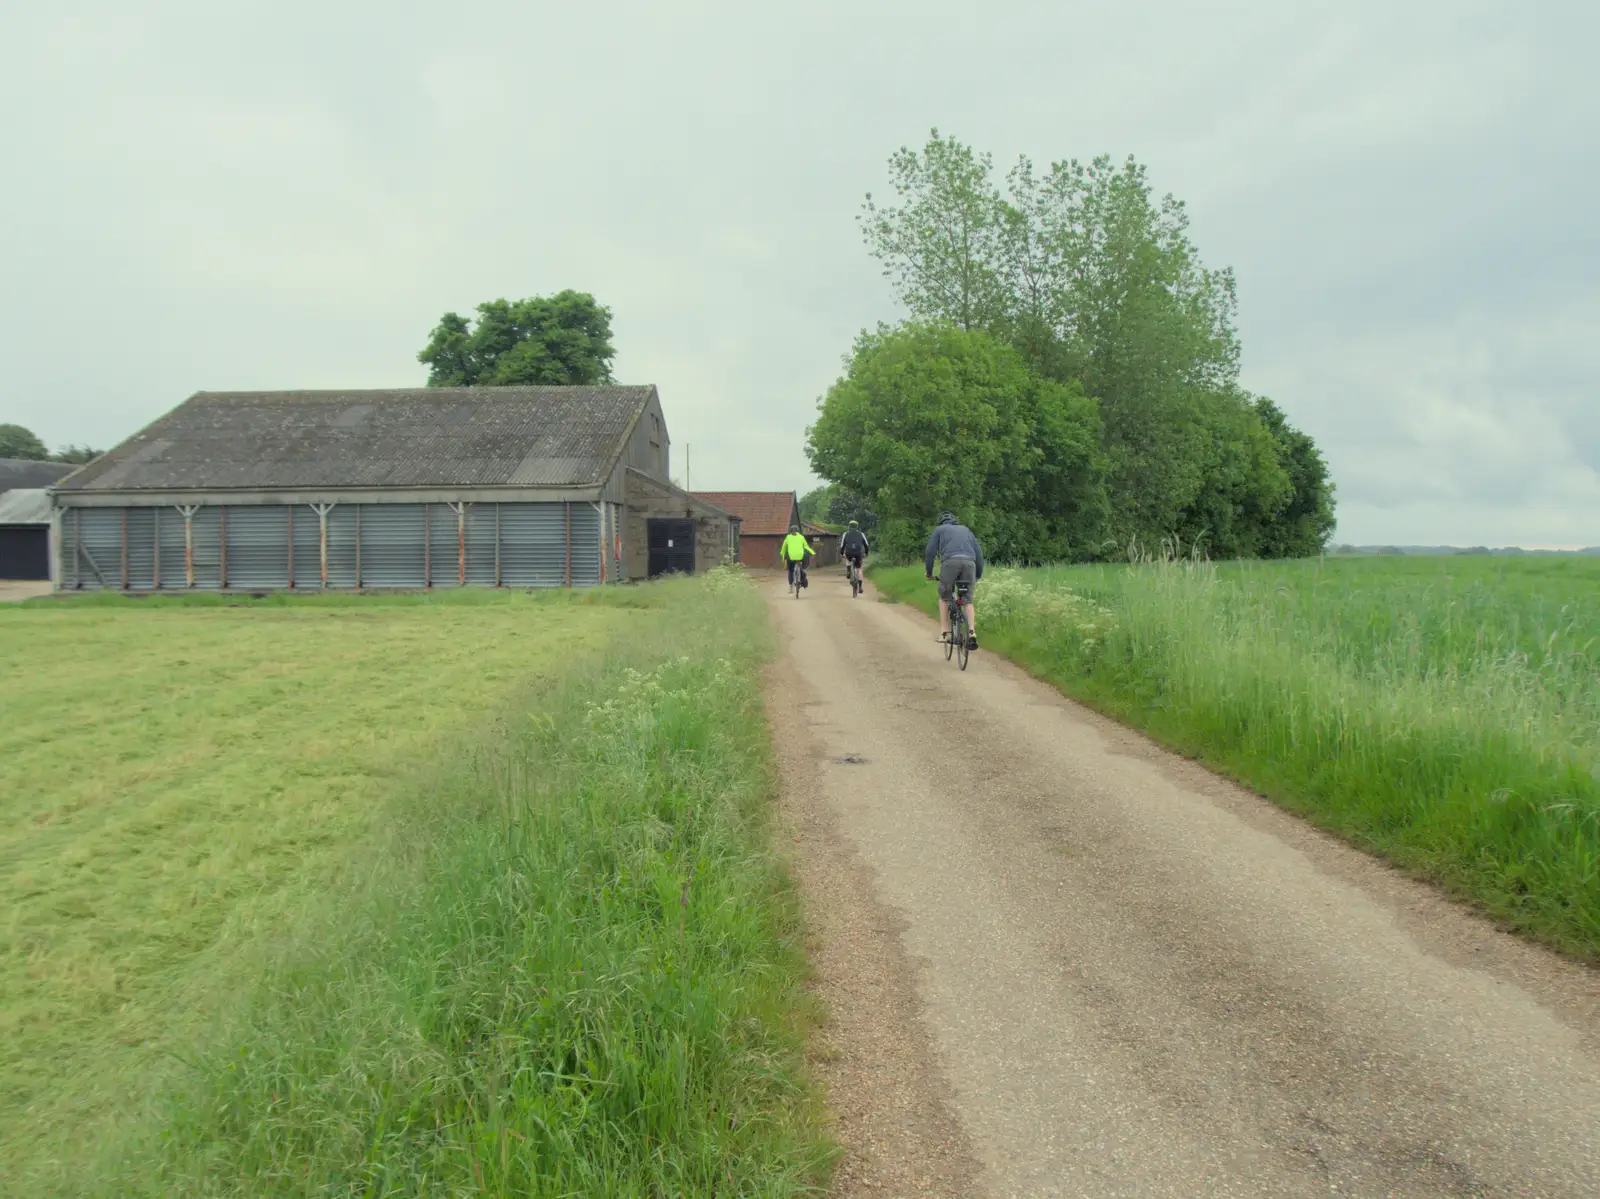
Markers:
point(454, 894)
point(1444, 712)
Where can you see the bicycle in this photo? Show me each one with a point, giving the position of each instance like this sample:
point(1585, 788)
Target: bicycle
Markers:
point(856, 584)
point(960, 644)
point(797, 578)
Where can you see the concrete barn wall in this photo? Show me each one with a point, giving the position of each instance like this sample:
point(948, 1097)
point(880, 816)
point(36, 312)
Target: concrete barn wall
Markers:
point(715, 532)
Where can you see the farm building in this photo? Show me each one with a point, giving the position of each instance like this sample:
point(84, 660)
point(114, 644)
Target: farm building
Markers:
point(25, 516)
point(416, 488)
point(824, 541)
point(765, 517)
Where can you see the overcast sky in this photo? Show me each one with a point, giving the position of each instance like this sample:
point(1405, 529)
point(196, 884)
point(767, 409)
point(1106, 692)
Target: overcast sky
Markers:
point(288, 195)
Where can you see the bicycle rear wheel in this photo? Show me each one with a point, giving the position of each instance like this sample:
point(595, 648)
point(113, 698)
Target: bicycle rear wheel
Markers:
point(962, 635)
point(950, 645)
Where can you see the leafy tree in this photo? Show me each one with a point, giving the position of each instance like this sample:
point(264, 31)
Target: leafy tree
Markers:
point(834, 505)
point(1306, 521)
point(845, 506)
point(814, 503)
point(17, 442)
point(933, 416)
point(560, 339)
point(1095, 280)
point(941, 247)
point(77, 454)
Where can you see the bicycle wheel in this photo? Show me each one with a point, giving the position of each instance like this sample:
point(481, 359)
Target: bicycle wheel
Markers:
point(962, 640)
point(950, 645)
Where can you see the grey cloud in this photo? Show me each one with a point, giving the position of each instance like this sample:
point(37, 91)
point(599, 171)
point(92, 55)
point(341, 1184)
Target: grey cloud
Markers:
point(290, 194)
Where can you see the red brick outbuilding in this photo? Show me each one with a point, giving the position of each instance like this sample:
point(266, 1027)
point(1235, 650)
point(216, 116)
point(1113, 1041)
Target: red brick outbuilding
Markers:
point(765, 517)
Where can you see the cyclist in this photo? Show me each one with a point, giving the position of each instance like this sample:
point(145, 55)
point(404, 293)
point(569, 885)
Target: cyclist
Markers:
point(960, 562)
point(794, 551)
point(853, 545)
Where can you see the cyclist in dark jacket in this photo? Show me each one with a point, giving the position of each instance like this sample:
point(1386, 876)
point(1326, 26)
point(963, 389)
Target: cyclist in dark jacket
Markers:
point(853, 545)
point(960, 563)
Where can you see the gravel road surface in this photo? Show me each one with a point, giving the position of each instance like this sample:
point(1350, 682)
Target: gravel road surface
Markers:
point(1060, 961)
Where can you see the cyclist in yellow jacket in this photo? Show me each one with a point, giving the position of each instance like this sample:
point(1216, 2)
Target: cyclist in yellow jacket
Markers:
point(794, 551)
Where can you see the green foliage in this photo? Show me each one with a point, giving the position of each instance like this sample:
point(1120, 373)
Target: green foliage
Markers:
point(1443, 712)
point(814, 503)
point(836, 506)
point(931, 416)
point(18, 442)
point(560, 339)
point(1306, 522)
point(1094, 280)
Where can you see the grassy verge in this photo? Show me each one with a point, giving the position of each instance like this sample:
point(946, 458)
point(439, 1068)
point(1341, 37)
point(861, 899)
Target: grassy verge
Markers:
point(1445, 714)
point(553, 958)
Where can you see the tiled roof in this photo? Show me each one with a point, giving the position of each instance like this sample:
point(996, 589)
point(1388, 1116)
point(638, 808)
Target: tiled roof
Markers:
point(417, 437)
point(762, 513)
point(812, 530)
point(27, 472)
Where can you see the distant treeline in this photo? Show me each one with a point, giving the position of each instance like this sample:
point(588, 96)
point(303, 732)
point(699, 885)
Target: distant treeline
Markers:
point(1508, 551)
point(1067, 380)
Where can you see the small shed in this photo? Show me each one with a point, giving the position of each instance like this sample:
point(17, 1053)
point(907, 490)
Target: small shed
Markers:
point(824, 541)
point(25, 534)
point(764, 520)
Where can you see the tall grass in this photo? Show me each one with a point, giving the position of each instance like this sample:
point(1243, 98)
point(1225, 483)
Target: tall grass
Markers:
point(571, 968)
point(1443, 713)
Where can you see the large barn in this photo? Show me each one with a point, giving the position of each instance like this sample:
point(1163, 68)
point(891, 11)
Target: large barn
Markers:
point(418, 488)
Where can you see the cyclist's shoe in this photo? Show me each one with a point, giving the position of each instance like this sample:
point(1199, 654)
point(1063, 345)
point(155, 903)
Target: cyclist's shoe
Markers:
point(972, 641)
point(942, 638)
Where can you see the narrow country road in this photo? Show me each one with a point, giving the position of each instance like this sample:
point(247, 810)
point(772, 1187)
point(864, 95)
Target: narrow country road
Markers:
point(1059, 961)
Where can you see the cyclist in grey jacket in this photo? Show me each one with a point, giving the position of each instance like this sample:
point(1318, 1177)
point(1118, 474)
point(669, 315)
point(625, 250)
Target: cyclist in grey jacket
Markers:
point(960, 562)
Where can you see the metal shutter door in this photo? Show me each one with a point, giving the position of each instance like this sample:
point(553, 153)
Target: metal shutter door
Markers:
point(173, 573)
point(444, 546)
point(258, 547)
point(205, 527)
point(342, 546)
point(307, 547)
point(533, 549)
point(391, 545)
point(102, 545)
point(585, 545)
point(141, 549)
point(481, 544)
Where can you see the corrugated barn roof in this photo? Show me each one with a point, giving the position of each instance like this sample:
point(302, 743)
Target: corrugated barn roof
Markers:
point(25, 506)
point(27, 472)
point(416, 437)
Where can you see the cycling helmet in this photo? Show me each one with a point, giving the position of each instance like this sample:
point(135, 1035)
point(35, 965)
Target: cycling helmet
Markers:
point(794, 528)
point(947, 517)
point(855, 524)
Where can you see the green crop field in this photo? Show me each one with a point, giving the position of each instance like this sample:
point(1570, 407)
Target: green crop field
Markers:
point(1442, 711)
point(405, 896)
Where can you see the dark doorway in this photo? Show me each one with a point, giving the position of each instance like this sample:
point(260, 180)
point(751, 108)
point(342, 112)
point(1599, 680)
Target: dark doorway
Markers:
point(671, 547)
point(24, 551)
